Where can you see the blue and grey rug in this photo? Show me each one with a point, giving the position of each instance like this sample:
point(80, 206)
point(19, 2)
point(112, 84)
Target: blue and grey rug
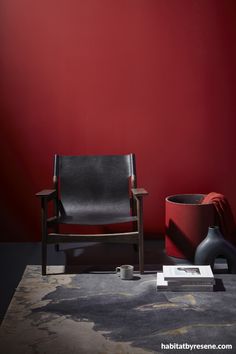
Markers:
point(101, 314)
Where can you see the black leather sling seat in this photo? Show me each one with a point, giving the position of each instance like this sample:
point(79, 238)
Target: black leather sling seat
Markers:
point(95, 189)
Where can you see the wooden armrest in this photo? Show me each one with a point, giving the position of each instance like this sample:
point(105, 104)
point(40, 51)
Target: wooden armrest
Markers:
point(139, 192)
point(47, 193)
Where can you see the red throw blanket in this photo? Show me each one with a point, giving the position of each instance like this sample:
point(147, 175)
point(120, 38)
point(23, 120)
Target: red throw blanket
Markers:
point(224, 215)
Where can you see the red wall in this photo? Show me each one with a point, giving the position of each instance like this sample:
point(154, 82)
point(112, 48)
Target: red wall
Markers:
point(153, 77)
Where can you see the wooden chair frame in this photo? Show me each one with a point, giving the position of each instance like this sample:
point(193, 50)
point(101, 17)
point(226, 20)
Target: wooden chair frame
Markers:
point(133, 237)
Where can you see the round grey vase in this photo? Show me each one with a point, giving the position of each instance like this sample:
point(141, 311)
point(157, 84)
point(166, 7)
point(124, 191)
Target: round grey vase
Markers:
point(214, 246)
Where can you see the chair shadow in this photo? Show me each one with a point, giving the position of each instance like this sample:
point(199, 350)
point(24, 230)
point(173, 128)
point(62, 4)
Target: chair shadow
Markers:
point(105, 257)
point(180, 240)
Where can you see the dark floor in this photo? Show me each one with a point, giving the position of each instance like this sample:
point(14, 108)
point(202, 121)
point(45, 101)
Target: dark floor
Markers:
point(14, 257)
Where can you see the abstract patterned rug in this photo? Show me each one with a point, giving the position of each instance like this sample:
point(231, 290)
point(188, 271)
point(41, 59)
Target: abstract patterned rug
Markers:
point(98, 313)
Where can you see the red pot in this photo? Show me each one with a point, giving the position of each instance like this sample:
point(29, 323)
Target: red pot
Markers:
point(187, 222)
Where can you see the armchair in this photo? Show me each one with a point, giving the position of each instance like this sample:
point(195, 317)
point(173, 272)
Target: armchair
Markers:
point(93, 190)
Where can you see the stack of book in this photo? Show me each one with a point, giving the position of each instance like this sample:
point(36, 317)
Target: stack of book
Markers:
point(186, 278)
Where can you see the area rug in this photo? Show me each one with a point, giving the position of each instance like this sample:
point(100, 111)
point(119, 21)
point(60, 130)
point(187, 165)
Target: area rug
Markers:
point(98, 313)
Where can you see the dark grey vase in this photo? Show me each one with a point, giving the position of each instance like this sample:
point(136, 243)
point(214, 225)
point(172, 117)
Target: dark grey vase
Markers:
point(214, 246)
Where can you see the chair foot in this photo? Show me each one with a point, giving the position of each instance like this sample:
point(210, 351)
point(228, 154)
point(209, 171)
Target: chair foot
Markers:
point(44, 270)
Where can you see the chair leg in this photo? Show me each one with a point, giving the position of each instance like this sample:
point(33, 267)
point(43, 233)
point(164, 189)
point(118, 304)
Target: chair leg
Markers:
point(141, 257)
point(140, 229)
point(44, 257)
point(44, 237)
point(56, 230)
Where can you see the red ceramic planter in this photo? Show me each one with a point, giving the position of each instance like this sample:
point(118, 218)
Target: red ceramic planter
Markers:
point(187, 222)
